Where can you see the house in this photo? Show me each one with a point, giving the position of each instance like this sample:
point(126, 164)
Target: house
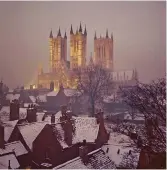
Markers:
point(19, 151)
point(15, 112)
point(61, 135)
point(66, 134)
point(92, 160)
point(9, 161)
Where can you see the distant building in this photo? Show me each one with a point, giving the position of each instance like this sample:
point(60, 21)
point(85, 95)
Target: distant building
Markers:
point(64, 72)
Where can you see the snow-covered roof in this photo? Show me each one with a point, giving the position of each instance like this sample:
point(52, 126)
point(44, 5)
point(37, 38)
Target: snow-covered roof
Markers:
point(118, 141)
point(30, 131)
point(52, 93)
point(4, 161)
point(97, 160)
point(32, 98)
point(11, 97)
point(16, 147)
point(4, 113)
point(127, 116)
point(109, 99)
point(42, 98)
point(71, 92)
point(83, 126)
point(8, 129)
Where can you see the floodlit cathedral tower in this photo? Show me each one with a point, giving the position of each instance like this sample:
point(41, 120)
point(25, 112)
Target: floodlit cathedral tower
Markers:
point(58, 50)
point(78, 43)
point(103, 51)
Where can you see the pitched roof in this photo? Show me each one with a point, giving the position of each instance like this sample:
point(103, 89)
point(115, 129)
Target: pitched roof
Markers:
point(4, 161)
point(30, 131)
point(42, 98)
point(32, 98)
point(83, 126)
point(8, 128)
point(11, 97)
point(97, 160)
point(16, 147)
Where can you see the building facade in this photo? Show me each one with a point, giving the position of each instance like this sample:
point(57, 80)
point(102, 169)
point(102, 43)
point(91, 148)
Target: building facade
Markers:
point(62, 71)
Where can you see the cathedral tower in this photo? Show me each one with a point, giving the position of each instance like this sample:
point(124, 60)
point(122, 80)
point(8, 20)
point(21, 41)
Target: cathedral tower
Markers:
point(78, 43)
point(103, 51)
point(58, 50)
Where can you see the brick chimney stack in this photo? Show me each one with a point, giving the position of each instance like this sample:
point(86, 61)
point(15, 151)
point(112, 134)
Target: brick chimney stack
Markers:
point(31, 114)
point(103, 136)
point(63, 110)
point(83, 152)
point(14, 110)
point(67, 125)
point(2, 137)
point(53, 119)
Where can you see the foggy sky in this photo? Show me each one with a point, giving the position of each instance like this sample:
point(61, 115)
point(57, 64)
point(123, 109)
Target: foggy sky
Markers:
point(139, 30)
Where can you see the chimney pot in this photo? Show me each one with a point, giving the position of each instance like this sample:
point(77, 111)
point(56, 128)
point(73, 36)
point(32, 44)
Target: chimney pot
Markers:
point(83, 153)
point(107, 150)
point(118, 151)
point(53, 119)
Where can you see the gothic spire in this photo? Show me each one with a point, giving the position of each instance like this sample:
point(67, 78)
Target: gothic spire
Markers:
point(85, 32)
point(112, 36)
point(65, 36)
point(107, 33)
point(80, 28)
point(95, 36)
point(51, 34)
point(59, 33)
point(71, 31)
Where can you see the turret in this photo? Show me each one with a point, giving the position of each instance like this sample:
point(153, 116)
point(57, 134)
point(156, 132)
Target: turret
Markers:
point(65, 36)
point(80, 28)
point(85, 32)
point(71, 31)
point(95, 36)
point(59, 33)
point(107, 33)
point(51, 34)
point(112, 36)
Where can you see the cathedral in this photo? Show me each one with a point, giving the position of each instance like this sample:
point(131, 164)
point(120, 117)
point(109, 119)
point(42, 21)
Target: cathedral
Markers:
point(62, 71)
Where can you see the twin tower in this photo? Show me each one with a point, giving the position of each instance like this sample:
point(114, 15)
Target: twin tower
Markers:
point(103, 50)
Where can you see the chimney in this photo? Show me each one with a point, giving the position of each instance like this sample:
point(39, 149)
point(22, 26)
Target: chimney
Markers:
point(118, 151)
point(100, 118)
point(53, 119)
point(14, 110)
point(9, 167)
point(31, 115)
point(83, 152)
point(63, 110)
point(2, 141)
point(67, 125)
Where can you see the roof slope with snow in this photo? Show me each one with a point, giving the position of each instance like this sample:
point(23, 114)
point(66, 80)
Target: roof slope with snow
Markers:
point(30, 131)
point(4, 161)
point(16, 147)
point(96, 160)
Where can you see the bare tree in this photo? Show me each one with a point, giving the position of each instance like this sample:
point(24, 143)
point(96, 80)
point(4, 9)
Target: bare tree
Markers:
point(150, 100)
point(94, 82)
